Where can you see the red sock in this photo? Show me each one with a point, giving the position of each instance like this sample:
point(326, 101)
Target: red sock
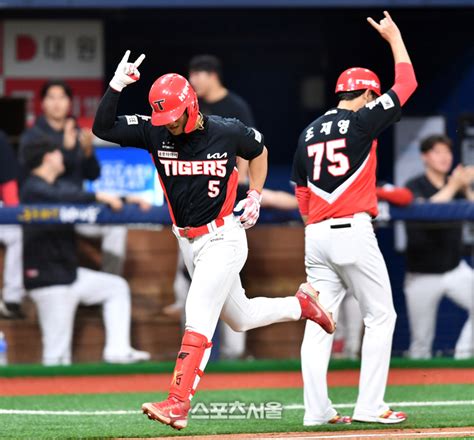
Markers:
point(188, 369)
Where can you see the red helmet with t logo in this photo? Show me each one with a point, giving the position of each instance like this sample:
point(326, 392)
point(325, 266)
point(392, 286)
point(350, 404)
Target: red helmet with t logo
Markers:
point(358, 78)
point(170, 96)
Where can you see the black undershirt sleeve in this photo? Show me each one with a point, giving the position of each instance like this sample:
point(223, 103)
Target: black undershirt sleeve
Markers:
point(128, 131)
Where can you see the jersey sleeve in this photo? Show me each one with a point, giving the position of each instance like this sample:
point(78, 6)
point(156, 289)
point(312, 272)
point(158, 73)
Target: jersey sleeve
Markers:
point(128, 131)
point(299, 175)
point(378, 115)
point(250, 142)
point(134, 131)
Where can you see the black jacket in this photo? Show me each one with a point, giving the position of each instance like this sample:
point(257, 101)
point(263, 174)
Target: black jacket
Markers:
point(78, 167)
point(49, 251)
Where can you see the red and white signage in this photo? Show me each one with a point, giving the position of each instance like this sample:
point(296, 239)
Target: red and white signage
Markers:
point(34, 51)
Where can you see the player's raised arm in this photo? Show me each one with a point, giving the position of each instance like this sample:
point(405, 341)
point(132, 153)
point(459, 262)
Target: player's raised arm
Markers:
point(128, 130)
point(405, 80)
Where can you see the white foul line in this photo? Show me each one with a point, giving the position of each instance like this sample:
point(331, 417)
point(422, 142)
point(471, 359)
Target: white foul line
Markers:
point(406, 404)
point(32, 412)
point(285, 407)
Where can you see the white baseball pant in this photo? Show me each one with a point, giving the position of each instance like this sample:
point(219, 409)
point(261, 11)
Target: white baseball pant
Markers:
point(232, 343)
point(423, 293)
point(114, 244)
point(57, 307)
point(349, 326)
point(12, 237)
point(336, 259)
point(214, 261)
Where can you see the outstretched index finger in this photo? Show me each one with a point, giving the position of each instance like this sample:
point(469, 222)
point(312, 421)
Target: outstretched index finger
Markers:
point(125, 57)
point(374, 24)
point(139, 60)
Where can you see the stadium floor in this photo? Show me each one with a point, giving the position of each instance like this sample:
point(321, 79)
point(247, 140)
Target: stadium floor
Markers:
point(98, 405)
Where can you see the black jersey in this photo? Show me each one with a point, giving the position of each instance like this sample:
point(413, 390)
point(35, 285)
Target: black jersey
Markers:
point(231, 106)
point(49, 251)
point(77, 166)
point(432, 247)
point(336, 158)
point(197, 170)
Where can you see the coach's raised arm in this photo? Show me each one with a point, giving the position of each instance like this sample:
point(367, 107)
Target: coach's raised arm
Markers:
point(405, 80)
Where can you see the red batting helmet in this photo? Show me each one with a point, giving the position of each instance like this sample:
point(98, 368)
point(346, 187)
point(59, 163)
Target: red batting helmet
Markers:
point(358, 78)
point(170, 96)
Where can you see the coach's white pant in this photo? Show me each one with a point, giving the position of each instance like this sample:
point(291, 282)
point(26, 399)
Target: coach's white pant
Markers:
point(214, 262)
point(114, 244)
point(12, 237)
point(349, 326)
point(57, 306)
point(423, 293)
point(335, 260)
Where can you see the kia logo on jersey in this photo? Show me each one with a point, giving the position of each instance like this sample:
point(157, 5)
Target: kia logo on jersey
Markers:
point(194, 168)
point(216, 155)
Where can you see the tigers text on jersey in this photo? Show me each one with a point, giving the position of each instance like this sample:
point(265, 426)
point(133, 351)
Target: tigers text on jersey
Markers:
point(197, 170)
point(336, 158)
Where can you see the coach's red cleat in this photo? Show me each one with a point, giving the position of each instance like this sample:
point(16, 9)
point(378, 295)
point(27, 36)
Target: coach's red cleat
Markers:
point(171, 412)
point(340, 420)
point(313, 310)
point(389, 417)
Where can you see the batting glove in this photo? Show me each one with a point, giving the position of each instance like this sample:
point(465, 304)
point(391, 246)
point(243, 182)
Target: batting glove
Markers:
point(126, 73)
point(251, 208)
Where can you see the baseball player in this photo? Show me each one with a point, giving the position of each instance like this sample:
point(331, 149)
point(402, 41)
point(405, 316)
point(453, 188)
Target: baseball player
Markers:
point(334, 171)
point(195, 157)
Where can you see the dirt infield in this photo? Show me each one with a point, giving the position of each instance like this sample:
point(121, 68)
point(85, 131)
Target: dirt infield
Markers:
point(26, 386)
point(466, 432)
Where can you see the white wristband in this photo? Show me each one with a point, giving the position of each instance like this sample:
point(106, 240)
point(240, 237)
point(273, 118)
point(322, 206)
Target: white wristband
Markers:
point(116, 84)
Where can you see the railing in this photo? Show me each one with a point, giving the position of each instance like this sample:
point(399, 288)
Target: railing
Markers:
point(131, 214)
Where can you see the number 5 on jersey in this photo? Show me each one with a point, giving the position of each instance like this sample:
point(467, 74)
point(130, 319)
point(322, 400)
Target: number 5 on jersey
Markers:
point(214, 189)
point(340, 162)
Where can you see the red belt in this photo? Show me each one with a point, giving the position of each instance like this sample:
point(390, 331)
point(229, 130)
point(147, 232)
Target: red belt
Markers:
point(193, 232)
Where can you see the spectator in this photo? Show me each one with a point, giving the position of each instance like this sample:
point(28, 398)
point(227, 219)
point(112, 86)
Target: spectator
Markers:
point(51, 273)
point(80, 163)
point(434, 252)
point(205, 75)
point(10, 235)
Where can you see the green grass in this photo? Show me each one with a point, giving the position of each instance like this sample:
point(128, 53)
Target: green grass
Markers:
point(26, 370)
point(137, 425)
